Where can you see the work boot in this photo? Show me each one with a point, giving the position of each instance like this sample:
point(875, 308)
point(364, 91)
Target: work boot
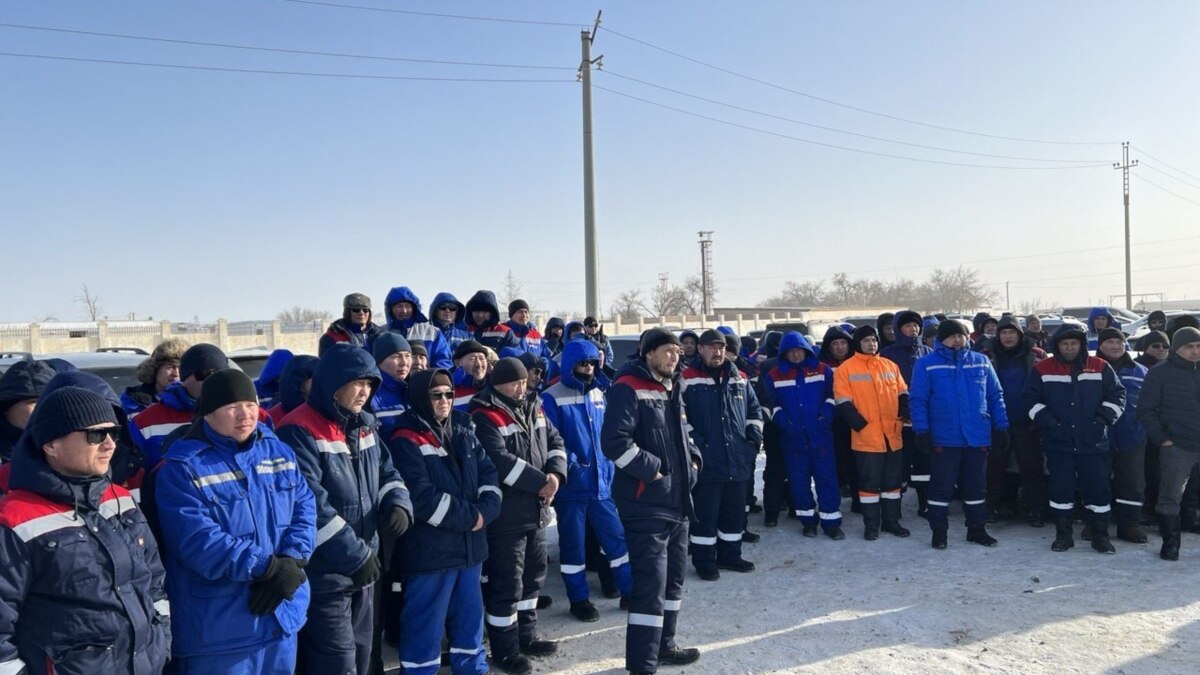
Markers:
point(1131, 532)
point(771, 519)
point(835, 533)
point(922, 489)
point(514, 663)
point(678, 656)
point(810, 530)
point(708, 572)
point(1100, 541)
point(1063, 539)
point(1035, 517)
point(737, 565)
point(891, 518)
point(1168, 527)
point(939, 539)
point(979, 535)
point(872, 518)
point(749, 537)
point(585, 611)
point(539, 647)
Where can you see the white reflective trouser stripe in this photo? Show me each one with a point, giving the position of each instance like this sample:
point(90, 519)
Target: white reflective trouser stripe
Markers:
point(460, 650)
point(439, 514)
point(572, 569)
point(933, 503)
point(973, 502)
point(672, 605)
point(17, 665)
point(527, 604)
point(163, 607)
point(891, 495)
point(331, 528)
point(831, 516)
point(1128, 502)
point(806, 512)
point(725, 536)
point(872, 499)
point(920, 478)
point(623, 560)
point(645, 620)
point(1098, 509)
point(1059, 505)
point(500, 621)
point(409, 665)
point(703, 541)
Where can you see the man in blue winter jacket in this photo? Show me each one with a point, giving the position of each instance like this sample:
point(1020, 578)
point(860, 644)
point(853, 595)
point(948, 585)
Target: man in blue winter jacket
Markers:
point(527, 333)
point(448, 317)
point(1074, 399)
point(1013, 357)
point(81, 584)
point(238, 525)
point(358, 493)
point(645, 435)
point(405, 317)
point(394, 357)
point(575, 406)
point(958, 413)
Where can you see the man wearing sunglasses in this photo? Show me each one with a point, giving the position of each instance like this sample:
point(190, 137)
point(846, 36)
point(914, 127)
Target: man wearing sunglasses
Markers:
point(177, 403)
point(81, 584)
point(447, 316)
point(355, 327)
point(358, 494)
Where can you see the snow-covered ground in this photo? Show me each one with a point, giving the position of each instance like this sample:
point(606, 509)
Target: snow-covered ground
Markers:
point(898, 606)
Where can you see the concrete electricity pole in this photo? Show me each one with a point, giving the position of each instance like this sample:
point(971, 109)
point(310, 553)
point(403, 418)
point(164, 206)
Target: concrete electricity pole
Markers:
point(591, 281)
point(1125, 165)
point(706, 284)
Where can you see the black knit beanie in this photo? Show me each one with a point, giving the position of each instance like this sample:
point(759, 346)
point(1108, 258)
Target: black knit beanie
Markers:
point(516, 306)
point(509, 369)
point(224, 387)
point(1110, 334)
point(654, 338)
point(951, 327)
point(201, 357)
point(469, 347)
point(66, 410)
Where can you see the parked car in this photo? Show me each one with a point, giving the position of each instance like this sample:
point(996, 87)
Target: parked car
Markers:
point(624, 347)
point(251, 360)
point(1124, 316)
point(1139, 328)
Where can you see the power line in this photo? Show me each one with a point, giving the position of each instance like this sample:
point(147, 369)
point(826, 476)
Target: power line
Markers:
point(835, 146)
point(840, 104)
point(1171, 176)
point(1176, 194)
point(1027, 282)
point(1143, 151)
point(835, 129)
point(282, 50)
point(437, 15)
point(257, 71)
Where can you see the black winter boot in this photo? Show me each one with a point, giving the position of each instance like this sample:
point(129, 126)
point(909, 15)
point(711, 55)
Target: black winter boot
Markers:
point(1063, 537)
point(1188, 521)
point(939, 539)
point(922, 489)
point(891, 518)
point(1128, 527)
point(1168, 527)
point(979, 535)
point(1100, 540)
point(872, 518)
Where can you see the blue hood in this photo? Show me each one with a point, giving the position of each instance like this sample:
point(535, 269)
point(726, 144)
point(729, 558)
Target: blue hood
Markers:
point(794, 340)
point(1101, 311)
point(574, 352)
point(574, 325)
point(398, 294)
point(443, 298)
point(340, 364)
point(296, 371)
point(481, 301)
point(177, 397)
point(267, 383)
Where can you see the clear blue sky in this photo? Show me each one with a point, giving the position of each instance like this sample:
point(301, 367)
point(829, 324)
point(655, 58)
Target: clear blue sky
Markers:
point(175, 193)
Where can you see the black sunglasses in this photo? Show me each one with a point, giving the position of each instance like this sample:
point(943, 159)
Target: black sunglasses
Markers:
point(361, 310)
point(447, 308)
point(97, 436)
point(202, 375)
point(441, 396)
point(1158, 345)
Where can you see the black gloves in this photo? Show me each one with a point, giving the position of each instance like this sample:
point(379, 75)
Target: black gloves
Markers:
point(280, 581)
point(903, 411)
point(367, 574)
point(924, 443)
point(1102, 420)
point(1001, 440)
point(396, 521)
point(1045, 419)
point(854, 418)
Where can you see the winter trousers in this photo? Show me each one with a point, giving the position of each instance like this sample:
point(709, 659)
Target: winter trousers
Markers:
point(1088, 471)
point(274, 658)
point(515, 569)
point(658, 555)
point(574, 517)
point(1129, 484)
point(916, 465)
point(336, 638)
point(1175, 467)
point(450, 601)
point(807, 465)
point(966, 468)
point(716, 536)
point(775, 479)
point(1031, 464)
point(847, 462)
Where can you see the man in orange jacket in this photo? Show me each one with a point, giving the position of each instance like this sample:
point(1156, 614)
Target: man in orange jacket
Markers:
point(870, 394)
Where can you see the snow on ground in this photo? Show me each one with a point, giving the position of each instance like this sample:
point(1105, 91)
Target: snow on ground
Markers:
point(898, 606)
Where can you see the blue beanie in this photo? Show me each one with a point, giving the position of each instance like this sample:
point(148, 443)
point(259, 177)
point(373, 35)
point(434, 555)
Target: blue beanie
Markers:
point(387, 344)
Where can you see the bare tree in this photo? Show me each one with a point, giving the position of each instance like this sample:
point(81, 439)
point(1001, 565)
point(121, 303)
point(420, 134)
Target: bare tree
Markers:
point(628, 305)
point(298, 314)
point(954, 290)
point(90, 302)
point(806, 294)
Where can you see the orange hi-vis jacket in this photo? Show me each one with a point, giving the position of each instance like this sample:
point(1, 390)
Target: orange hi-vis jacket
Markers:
point(873, 385)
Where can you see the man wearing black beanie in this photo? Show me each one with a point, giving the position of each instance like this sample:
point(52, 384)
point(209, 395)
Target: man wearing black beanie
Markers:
point(238, 524)
point(531, 462)
point(526, 332)
point(74, 549)
point(470, 372)
point(176, 404)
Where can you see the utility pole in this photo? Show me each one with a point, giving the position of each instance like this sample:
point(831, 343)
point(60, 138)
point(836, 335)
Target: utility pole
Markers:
point(1007, 297)
point(705, 271)
point(591, 280)
point(1125, 165)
